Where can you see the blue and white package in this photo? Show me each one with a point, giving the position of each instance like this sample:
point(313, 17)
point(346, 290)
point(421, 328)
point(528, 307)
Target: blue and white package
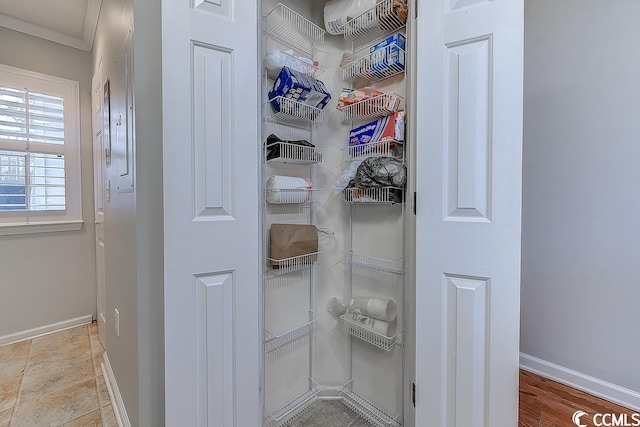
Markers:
point(388, 55)
point(299, 87)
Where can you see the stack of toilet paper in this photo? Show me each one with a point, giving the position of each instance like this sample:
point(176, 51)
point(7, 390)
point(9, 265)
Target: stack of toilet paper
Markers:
point(376, 314)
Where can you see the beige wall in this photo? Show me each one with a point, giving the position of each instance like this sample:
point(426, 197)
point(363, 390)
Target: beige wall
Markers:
point(47, 278)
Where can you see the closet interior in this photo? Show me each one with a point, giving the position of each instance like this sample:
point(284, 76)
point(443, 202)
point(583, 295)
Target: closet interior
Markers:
point(334, 172)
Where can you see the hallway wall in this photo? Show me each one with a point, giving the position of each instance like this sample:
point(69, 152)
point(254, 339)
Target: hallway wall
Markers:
point(580, 230)
point(46, 278)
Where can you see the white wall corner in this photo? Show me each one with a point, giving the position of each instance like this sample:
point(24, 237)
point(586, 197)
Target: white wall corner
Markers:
point(603, 389)
point(45, 330)
point(114, 393)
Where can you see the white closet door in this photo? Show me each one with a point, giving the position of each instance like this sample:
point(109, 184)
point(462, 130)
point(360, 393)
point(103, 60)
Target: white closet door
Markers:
point(211, 212)
point(469, 149)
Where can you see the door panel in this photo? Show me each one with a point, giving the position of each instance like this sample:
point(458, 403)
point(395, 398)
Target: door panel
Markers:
point(468, 154)
point(212, 213)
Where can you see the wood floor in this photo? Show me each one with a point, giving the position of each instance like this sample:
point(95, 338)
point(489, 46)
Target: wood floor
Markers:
point(546, 403)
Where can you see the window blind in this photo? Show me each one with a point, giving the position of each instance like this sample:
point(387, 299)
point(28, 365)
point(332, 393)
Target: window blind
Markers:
point(31, 180)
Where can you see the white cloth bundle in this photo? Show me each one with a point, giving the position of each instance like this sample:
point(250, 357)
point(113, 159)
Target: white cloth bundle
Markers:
point(288, 189)
point(388, 329)
point(338, 12)
point(377, 308)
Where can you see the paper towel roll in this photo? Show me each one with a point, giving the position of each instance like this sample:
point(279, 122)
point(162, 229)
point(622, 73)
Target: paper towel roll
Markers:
point(388, 329)
point(378, 308)
point(288, 189)
point(337, 12)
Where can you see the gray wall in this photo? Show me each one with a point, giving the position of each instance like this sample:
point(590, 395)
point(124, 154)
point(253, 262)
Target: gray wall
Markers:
point(149, 225)
point(134, 221)
point(47, 278)
point(581, 238)
point(119, 222)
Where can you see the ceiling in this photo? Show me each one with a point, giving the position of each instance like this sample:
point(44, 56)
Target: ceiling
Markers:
point(69, 22)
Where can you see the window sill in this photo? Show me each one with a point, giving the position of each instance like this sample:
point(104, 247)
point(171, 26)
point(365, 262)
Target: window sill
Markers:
point(39, 227)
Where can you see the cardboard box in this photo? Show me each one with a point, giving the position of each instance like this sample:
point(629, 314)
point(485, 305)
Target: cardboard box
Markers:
point(299, 87)
point(388, 55)
point(377, 130)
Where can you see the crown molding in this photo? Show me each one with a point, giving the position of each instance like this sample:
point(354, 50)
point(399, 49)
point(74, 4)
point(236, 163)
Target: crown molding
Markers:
point(85, 43)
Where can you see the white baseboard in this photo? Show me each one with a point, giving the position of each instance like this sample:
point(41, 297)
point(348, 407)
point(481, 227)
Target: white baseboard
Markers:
point(44, 330)
point(114, 394)
point(603, 389)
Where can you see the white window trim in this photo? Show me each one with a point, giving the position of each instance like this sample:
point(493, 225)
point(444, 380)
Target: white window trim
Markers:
point(70, 219)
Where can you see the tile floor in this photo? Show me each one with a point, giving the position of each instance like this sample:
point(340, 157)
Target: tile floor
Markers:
point(55, 380)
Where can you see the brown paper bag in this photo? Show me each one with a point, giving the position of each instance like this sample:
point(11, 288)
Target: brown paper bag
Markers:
point(291, 240)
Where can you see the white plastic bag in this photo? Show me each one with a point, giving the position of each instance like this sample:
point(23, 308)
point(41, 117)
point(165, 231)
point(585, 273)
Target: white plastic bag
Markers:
point(277, 58)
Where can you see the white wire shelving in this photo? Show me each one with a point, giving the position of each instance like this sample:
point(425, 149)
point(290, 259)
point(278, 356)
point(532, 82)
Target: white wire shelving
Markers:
point(298, 63)
point(287, 196)
point(287, 265)
point(367, 335)
point(293, 409)
point(384, 18)
point(295, 154)
point(294, 113)
point(382, 195)
point(381, 265)
point(382, 148)
point(368, 410)
point(375, 66)
point(293, 29)
point(273, 342)
point(373, 108)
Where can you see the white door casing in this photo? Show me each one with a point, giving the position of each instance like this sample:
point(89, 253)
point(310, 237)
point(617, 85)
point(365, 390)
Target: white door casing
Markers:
point(99, 197)
point(469, 149)
point(211, 213)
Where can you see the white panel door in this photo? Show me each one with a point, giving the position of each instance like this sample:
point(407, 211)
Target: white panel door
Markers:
point(212, 215)
point(469, 149)
point(99, 189)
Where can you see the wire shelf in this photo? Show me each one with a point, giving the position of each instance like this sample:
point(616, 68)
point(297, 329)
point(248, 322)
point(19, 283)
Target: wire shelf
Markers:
point(287, 265)
point(291, 410)
point(296, 63)
point(372, 195)
point(290, 196)
point(384, 18)
point(294, 113)
point(373, 108)
point(290, 27)
point(382, 148)
point(369, 411)
point(367, 335)
point(391, 266)
point(379, 65)
point(295, 154)
point(273, 342)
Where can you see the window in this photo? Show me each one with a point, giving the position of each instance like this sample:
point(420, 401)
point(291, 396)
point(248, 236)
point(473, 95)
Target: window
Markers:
point(39, 153)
